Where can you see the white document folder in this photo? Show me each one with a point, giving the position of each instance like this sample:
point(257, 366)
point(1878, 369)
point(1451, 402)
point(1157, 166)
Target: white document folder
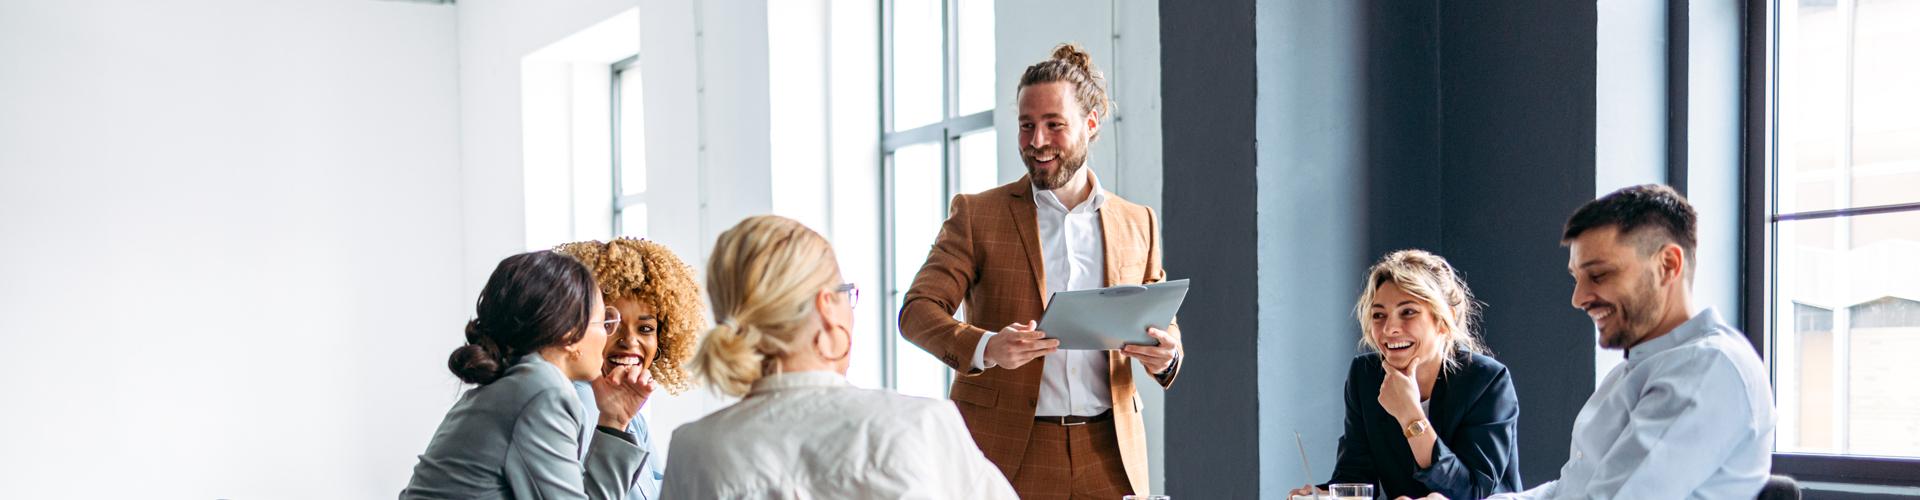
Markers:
point(1108, 318)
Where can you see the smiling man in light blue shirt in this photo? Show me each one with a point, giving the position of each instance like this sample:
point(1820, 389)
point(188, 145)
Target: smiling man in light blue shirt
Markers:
point(1690, 412)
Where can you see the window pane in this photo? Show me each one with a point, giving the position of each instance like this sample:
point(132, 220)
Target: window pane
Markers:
point(1849, 323)
point(633, 221)
point(1848, 136)
point(917, 63)
point(1813, 54)
point(633, 136)
point(979, 170)
point(976, 56)
point(1886, 109)
point(919, 206)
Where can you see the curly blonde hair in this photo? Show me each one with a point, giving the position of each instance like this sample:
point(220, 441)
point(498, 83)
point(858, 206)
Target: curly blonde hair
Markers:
point(648, 271)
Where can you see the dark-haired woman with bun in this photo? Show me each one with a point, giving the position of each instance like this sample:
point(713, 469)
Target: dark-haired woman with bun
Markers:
point(541, 324)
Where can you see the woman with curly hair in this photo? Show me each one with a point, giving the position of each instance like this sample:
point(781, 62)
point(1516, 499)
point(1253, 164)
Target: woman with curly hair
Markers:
point(654, 292)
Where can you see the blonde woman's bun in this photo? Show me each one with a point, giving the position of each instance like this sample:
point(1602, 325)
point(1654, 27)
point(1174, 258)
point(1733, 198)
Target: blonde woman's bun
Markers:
point(762, 278)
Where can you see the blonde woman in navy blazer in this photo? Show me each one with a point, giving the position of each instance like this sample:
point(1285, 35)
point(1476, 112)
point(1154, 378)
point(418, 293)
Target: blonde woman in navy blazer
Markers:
point(1427, 410)
point(517, 434)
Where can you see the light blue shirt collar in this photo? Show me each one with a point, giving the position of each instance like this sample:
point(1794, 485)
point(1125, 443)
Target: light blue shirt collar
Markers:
point(1700, 325)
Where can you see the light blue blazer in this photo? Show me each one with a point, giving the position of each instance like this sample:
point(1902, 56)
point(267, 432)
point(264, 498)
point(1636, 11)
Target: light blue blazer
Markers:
point(520, 437)
point(647, 486)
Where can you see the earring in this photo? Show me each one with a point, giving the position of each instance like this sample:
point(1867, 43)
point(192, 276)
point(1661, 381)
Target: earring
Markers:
point(844, 353)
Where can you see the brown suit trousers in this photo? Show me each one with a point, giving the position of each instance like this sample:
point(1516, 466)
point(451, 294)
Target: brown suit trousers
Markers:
point(987, 257)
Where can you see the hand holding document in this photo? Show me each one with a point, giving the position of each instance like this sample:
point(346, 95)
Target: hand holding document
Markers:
point(1112, 317)
point(1018, 344)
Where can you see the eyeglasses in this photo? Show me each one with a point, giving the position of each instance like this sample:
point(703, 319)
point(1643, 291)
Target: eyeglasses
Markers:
point(612, 323)
point(853, 294)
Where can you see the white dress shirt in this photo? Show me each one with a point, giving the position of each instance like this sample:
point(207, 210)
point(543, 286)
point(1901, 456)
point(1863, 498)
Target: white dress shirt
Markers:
point(1073, 251)
point(803, 435)
point(1688, 415)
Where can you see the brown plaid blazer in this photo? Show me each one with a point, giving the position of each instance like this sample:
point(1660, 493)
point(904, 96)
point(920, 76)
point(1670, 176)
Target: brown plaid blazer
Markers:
point(988, 257)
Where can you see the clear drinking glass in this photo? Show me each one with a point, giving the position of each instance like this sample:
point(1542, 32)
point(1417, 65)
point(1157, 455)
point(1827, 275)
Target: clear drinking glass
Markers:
point(1350, 491)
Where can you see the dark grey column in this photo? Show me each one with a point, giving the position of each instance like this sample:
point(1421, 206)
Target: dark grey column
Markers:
point(1403, 127)
point(1207, 77)
point(1304, 139)
point(1517, 148)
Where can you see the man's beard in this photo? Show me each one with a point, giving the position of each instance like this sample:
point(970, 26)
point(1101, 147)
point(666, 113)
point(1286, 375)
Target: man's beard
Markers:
point(1069, 159)
point(1634, 316)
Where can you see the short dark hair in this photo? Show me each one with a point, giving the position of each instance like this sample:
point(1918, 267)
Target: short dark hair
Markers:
point(1642, 212)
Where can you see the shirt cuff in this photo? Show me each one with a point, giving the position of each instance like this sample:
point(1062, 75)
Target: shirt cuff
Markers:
point(624, 435)
point(1170, 366)
point(980, 352)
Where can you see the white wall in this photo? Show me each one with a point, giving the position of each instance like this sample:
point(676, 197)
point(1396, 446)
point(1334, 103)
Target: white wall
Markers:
point(1311, 134)
point(825, 138)
point(704, 81)
point(232, 235)
point(267, 220)
point(566, 123)
point(494, 36)
point(1714, 146)
point(708, 58)
point(1630, 111)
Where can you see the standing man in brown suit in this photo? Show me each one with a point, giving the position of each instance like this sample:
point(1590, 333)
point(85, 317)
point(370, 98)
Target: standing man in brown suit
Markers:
point(1060, 424)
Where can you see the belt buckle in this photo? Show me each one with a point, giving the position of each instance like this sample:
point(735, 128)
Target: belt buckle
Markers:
point(1064, 423)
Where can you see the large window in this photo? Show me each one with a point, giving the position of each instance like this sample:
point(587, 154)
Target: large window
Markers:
point(1841, 231)
point(629, 153)
point(938, 141)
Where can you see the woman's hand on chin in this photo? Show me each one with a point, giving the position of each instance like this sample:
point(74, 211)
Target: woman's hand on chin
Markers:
point(1400, 393)
point(621, 393)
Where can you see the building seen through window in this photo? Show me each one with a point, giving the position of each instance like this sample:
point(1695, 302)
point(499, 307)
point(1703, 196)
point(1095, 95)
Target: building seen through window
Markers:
point(1845, 227)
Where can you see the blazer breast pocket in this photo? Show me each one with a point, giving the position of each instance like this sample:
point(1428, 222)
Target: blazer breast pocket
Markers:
point(975, 394)
point(1133, 273)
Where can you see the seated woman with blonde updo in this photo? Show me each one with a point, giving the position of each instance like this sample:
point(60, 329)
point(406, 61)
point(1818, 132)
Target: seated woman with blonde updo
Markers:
point(800, 430)
point(1427, 410)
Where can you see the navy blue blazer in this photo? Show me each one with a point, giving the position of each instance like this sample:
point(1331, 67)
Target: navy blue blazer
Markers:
point(1474, 413)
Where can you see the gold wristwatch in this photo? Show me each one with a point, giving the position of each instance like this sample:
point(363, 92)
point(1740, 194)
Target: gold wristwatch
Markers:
point(1416, 428)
